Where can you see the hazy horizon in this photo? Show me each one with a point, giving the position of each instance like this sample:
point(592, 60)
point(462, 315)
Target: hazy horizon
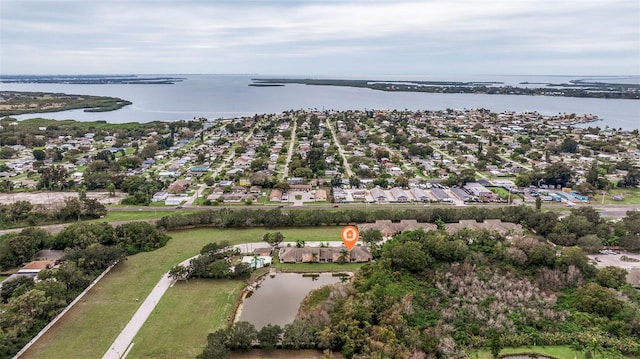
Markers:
point(355, 38)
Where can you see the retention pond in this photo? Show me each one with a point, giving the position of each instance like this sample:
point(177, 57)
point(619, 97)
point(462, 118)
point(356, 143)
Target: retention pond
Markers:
point(277, 298)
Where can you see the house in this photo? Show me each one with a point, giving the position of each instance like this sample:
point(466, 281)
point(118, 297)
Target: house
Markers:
point(479, 190)
point(399, 195)
point(489, 225)
point(159, 196)
point(266, 251)
point(198, 171)
point(294, 180)
point(440, 195)
point(242, 162)
point(276, 195)
point(324, 255)
point(385, 226)
point(339, 194)
point(320, 195)
point(461, 194)
point(203, 168)
point(419, 194)
point(179, 186)
point(165, 174)
point(34, 267)
point(390, 229)
point(378, 194)
point(257, 261)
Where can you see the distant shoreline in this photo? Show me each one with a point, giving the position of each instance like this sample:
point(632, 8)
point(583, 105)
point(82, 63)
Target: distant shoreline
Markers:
point(575, 88)
point(90, 79)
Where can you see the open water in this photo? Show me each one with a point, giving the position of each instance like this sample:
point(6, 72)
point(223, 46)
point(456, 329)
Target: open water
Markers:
point(223, 96)
point(277, 299)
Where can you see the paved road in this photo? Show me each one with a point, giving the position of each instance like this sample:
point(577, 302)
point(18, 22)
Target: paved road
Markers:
point(285, 172)
point(347, 166)
point(124, 341)
point(120, 346)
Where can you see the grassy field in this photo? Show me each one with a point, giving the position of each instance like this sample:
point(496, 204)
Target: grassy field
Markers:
point(504, 194)
point(90, 327)
point(115, 216)
point(556, 351)
point(184, 316)
point(631, 196)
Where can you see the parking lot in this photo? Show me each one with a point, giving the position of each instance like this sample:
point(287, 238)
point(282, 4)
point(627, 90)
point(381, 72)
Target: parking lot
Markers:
point(605, 260)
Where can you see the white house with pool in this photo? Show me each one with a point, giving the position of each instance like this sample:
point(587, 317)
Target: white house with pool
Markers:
point(257, 261)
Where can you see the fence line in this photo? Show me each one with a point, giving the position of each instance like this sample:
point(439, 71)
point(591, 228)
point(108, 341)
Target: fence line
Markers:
point(64, 311)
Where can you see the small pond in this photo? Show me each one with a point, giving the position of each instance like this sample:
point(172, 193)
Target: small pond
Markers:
point(277, 298)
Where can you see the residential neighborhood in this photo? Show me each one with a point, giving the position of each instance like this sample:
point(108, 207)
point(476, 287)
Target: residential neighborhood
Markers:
point(307, 157)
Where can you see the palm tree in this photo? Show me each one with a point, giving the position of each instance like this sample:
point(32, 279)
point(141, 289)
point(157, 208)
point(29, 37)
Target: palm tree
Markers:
point(314, 257)
point(593, 348)
point(577, 348)
point(343, 255)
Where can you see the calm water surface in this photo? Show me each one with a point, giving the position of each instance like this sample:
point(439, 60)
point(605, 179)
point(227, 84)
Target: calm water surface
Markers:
point(277, 299)
point(222, 96)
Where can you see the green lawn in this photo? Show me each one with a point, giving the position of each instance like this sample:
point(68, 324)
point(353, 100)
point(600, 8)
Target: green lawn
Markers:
point(184, 316)
point(503, 193)
point(115, 216)
point(3, 277)
point(92, 325)
point(556, 351)
point(631, 196)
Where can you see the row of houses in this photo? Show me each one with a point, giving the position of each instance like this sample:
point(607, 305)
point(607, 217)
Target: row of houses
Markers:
point(390, 229)
point(278, 195)
point(357, 254)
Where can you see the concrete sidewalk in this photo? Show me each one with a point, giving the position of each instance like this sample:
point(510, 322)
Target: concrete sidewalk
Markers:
point(119, 347)
point(123, 342)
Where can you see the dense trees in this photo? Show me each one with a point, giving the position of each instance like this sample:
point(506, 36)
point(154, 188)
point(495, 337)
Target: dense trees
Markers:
point(487, 295)
point(23, 213)
point(557, 174)
point(273, 238)
point(134, 237)
point(89, 249)
point(214, 261)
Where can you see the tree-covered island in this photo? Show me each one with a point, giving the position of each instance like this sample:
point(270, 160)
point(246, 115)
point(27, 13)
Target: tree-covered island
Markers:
point(576, 88)
point(18, 103)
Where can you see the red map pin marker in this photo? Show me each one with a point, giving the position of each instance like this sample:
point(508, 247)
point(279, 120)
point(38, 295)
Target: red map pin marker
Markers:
point(349, 236)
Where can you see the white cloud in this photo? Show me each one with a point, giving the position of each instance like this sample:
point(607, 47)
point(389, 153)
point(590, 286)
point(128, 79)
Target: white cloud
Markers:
point(188, 34)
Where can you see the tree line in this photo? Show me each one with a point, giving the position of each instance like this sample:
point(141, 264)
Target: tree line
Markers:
point(24, 213)
point(583, 227)
point(88, 250)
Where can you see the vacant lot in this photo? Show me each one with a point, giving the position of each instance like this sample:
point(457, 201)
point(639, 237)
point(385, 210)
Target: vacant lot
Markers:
point(92, 325)
point(187, 312)
point(56, 199)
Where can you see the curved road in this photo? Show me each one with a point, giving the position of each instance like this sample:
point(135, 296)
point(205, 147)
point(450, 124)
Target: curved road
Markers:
point(124, 342)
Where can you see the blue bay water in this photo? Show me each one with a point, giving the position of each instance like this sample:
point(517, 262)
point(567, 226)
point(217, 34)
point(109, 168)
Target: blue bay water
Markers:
point(222, 96)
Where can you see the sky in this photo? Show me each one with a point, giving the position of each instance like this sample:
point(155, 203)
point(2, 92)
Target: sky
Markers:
point(329, 38)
